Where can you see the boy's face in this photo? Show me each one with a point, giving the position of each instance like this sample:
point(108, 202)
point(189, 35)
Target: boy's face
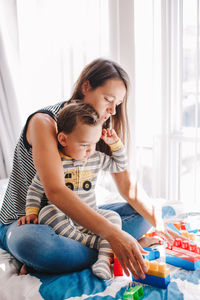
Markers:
point(81, 142)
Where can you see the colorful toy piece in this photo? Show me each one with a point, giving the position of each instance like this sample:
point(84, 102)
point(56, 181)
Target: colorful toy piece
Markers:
point(173, 227)
point(194, 231)
point(153, 253)
point(134, 293)
point(154, 234)
point(117, 268)
point(185, 226)
point(180, 225)
point(158, 275)
point(185, 233)
point(183, 254)
point(150, 234)
point(189, 235)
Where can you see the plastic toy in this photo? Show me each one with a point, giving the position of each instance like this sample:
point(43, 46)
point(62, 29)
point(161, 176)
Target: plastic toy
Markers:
point(153, 253)
point(154, 234)
point(117, 268)
point(158, 275)
point(173, 227)
point(185, 226)
point(194, 231)
point(183, 254)
point(150, 234)
point(185, 233)
point(134, 293)
point(180, 225)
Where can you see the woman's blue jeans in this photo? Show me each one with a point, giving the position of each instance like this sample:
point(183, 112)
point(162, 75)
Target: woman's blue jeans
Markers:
point(39, 247)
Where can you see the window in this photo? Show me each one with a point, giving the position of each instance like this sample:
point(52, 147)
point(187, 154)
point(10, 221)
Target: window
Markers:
point(167, 98)
point(190, 143)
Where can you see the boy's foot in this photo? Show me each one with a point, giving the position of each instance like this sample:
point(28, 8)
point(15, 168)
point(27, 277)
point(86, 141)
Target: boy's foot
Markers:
point(102, 269)
point(148, 241)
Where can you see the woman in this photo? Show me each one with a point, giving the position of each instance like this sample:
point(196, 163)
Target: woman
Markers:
point(104, 85)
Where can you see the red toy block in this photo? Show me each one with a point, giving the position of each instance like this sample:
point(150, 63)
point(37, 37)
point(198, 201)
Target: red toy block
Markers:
point(184, 250)
point(183, 226)
point(117, 268)
point(182, 255)
point(185, 247)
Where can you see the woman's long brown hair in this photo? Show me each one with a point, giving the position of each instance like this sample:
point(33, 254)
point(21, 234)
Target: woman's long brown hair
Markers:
point(97, 73)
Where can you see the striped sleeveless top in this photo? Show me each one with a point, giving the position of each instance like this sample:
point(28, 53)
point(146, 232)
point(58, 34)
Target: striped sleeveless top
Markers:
point(23, 172)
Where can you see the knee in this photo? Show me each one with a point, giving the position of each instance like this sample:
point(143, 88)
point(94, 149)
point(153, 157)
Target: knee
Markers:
point(46, 213)
point(24, 242)
point(20, 241)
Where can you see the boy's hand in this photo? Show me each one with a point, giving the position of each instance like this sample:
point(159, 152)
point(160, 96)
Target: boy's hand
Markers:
point(28, 219)
point(109, 136)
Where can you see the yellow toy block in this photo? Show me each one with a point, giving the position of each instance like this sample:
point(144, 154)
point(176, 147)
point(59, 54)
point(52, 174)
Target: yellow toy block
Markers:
point(185, 233)
point(157, 269)
point(192, 236)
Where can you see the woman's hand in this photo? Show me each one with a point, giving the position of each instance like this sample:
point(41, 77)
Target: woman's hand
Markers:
point(27, 220)
point(163, 230)
point(109, 136)
point(168, 234)
point(129, 253)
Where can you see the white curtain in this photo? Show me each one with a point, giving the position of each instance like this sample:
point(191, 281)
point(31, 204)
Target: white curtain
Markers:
point(122, 50)
point(57, 39)
point(9, 116)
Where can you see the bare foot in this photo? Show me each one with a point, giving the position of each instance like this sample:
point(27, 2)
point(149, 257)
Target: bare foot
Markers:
point(147, 241)
point(25, 270)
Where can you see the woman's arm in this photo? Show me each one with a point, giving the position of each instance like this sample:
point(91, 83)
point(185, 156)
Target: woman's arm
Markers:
point(139, 200)
point(135, 196)
point(41, 135)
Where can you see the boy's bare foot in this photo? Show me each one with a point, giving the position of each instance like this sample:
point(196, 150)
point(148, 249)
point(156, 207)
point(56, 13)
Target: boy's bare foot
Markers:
point(25, 270)
point(148, 241)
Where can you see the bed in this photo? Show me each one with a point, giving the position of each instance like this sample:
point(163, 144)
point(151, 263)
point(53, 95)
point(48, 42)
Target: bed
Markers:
point(84, 285)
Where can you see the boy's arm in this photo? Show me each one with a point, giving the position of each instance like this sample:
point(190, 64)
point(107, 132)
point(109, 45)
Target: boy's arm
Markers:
point(33, 201)
point(118, 161)
point(34, 196)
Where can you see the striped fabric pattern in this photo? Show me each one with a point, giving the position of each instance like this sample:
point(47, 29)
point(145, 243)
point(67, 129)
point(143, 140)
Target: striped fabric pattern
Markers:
point(23, 172)
point(80, 176)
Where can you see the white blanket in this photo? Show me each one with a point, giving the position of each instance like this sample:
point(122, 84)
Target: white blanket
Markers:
point(83, 285)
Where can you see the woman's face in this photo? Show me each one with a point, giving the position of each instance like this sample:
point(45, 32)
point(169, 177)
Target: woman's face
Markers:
point(105, 98)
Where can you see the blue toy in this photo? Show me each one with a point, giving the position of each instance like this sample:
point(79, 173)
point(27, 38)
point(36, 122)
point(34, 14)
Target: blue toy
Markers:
point(153, 253)
point(182, 262)
point(158, 275)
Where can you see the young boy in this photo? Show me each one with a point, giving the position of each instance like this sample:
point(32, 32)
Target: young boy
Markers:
point(79, 129)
